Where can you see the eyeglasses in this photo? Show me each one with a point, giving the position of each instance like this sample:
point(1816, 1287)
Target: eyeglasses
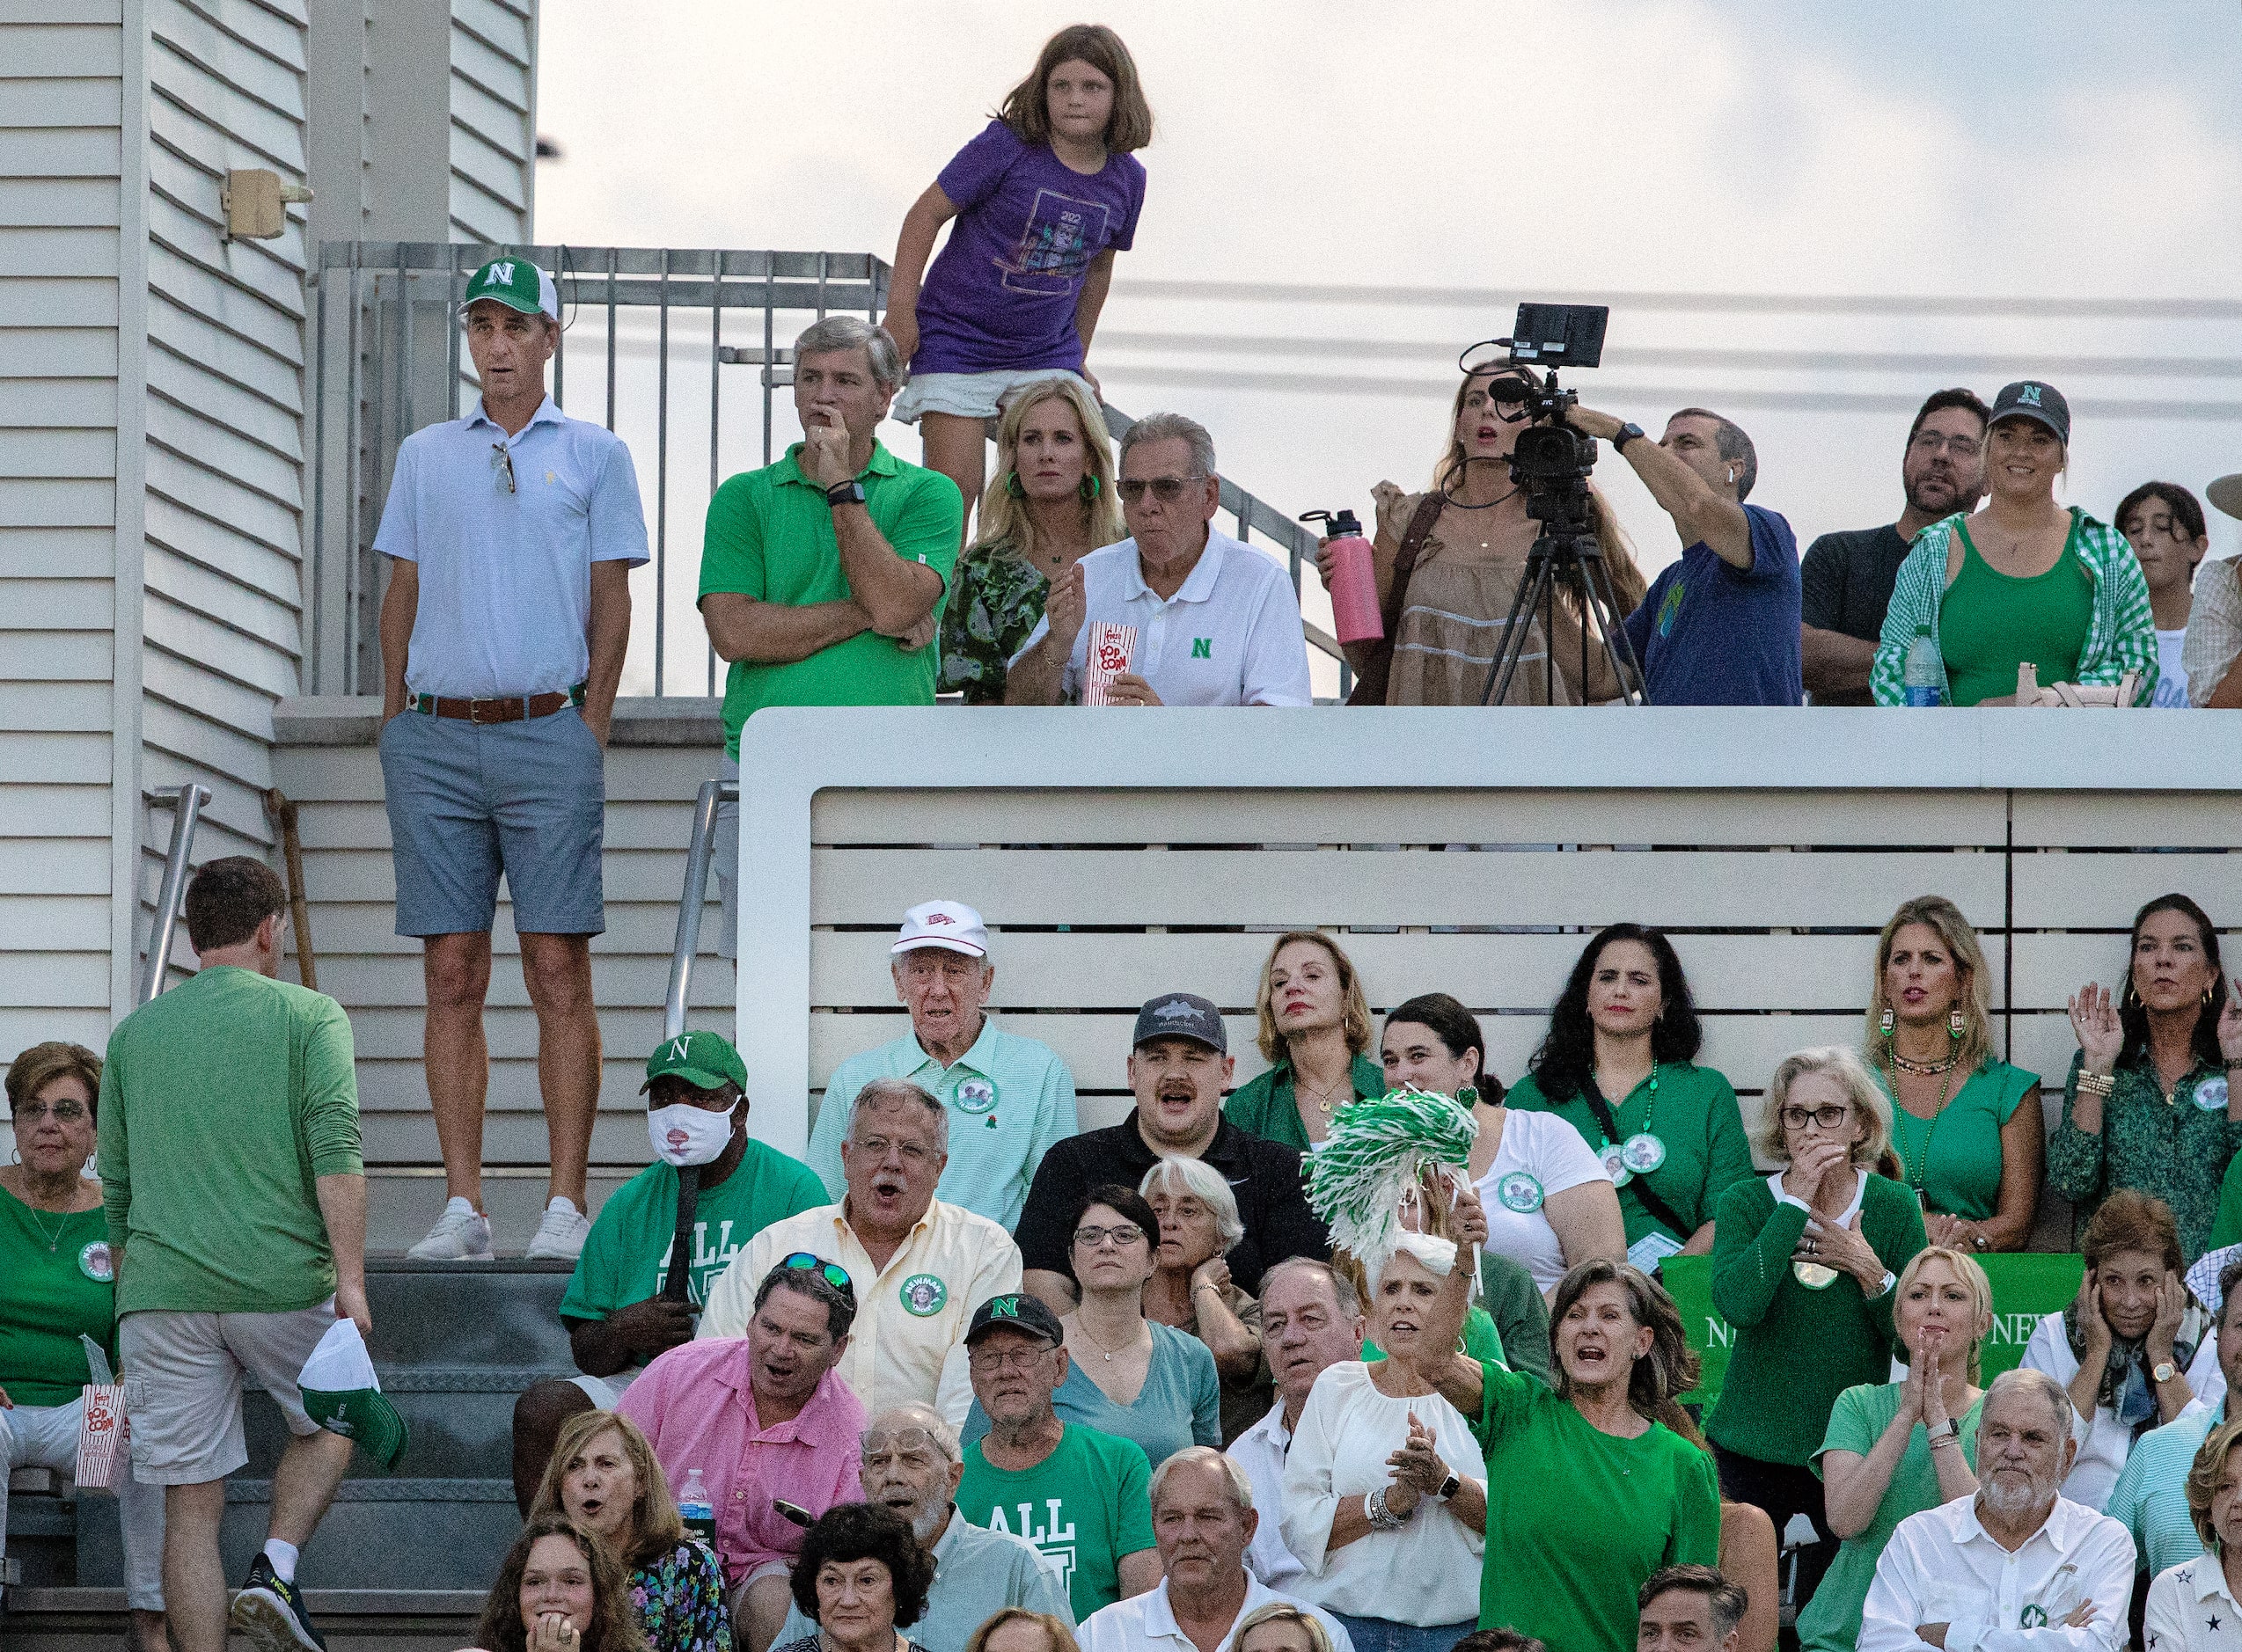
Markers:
point(836, 1276)
point(1126, 1237)
point(878, 1446)
point(61, 1112)
point(1960, 446)
point(1019, 1359)
point(1165, 489)
point(501, 461)
point(1830, 1118)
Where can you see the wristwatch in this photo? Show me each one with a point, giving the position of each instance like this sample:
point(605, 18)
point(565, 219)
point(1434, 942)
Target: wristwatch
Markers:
point(1450, 1486)
point(1948, 1430)
point(1627, 433)
point(848, 493)
point(2166, 1373)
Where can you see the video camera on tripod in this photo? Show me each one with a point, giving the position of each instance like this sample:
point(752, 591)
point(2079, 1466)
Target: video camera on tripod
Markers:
point(1551, 461)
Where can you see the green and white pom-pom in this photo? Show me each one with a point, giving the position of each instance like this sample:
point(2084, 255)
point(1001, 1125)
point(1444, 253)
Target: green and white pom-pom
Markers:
point(1372, 1161)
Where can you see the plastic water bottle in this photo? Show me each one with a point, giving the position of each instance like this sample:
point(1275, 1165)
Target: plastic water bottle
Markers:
point(1924, 677)
point(1354, 579)
point(695, 1509)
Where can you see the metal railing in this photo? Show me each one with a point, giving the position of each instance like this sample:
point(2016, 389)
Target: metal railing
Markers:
point(692, 901)
point(187, 811)
point(647, 334)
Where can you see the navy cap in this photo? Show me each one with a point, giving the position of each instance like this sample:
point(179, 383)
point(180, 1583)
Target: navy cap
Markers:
point(2029, 398)
point(1180, 1015)
point(1018, 1312)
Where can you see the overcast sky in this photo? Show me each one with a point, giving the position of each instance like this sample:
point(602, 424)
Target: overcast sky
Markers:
point(1448, 160)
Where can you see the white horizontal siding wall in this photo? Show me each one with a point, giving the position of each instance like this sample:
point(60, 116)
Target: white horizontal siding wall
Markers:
point(68, 141)
point(494, 108)
point(225, 484)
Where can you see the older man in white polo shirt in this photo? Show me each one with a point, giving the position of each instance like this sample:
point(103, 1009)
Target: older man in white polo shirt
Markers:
point(510, 535)
point(2017, 1568)
point(1203, 1521)
point(1217, 623)
point(1010, 1098)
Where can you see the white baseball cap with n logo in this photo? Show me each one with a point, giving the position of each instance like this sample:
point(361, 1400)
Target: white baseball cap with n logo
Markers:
point(516, 283)
point(949, 925)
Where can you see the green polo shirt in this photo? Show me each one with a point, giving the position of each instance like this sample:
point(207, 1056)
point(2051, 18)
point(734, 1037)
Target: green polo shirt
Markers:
point(769, 536)
point(1265, 1105)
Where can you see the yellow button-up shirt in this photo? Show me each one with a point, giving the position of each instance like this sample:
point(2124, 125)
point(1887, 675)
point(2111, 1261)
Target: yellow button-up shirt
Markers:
point(907, 1343)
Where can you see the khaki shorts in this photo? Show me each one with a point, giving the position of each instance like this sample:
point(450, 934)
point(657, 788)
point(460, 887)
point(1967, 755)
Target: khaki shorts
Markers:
point(183, 1376)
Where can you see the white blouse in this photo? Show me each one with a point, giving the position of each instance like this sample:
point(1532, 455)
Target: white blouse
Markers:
point(1347, 1430)
point(2105, 1442)
point(1545, 1147)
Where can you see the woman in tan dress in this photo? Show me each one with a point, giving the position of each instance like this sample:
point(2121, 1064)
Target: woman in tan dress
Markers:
point(1445, 624)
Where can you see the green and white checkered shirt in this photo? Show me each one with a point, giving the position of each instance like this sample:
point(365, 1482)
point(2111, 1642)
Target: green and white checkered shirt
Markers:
point(2121, 637)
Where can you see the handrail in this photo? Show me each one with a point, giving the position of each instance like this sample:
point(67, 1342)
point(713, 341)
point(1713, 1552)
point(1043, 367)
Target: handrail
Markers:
point(691, 901)
point(187, 809)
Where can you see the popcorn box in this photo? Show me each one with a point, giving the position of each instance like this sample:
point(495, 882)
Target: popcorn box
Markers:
point(1112, 648)
point(100, 1436)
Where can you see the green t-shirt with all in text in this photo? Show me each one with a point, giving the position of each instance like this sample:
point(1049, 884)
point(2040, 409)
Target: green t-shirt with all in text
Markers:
point(627, 1255)
point(223, 1102)
point(769, 536)
point(1085, 1506)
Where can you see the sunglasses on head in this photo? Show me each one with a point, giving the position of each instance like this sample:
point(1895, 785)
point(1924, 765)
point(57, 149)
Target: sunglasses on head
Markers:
point(836, 1276)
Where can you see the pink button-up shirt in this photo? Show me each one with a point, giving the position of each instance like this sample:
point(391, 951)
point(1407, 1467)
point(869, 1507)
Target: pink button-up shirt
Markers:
point(696, 1406)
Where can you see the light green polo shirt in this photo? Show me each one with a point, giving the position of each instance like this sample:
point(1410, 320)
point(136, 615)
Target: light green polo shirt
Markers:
point(1010, 1099)
point(769, 536)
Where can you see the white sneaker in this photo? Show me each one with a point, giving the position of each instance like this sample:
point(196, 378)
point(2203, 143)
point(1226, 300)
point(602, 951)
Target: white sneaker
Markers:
point(460, 1235)
point(561, 1235)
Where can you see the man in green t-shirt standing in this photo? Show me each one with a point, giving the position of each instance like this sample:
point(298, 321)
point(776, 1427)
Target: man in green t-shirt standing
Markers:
point(822, 576)
point(618, 1312)
point(236, 1204)
point(1084, 1498)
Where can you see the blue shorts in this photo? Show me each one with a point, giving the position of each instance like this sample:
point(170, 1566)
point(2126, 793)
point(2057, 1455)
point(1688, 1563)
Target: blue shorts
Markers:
point(467, 801)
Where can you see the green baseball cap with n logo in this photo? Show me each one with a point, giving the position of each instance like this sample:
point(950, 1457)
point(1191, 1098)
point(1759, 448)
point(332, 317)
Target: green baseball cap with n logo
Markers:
point(516, 283)
point(1017, 1311)
point(703, 1059)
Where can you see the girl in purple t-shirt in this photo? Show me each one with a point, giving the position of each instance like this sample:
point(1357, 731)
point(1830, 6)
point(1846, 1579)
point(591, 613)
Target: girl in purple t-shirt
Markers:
point(1043, 200)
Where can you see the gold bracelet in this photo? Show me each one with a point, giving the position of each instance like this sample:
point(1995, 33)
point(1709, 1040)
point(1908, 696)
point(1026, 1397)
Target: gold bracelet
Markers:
point(2101, 1084)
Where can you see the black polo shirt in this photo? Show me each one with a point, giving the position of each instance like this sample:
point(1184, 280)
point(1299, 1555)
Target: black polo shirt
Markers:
point(1264, 1177)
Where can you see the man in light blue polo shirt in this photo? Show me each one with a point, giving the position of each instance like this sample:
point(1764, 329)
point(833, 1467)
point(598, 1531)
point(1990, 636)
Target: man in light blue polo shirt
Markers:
point(1010, 1098)
point(2151, 1497)
point(510, 535)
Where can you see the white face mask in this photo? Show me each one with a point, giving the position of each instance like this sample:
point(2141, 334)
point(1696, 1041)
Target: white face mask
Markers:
point(683, 1134)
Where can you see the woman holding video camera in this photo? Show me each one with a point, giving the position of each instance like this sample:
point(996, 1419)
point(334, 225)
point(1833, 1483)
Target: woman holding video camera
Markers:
point(1449, 562)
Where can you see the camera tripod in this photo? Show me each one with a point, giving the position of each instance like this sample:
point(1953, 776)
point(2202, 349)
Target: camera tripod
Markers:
point(1577, 559)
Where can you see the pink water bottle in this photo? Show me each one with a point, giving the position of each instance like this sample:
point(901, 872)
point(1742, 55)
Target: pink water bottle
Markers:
point(1353, 583)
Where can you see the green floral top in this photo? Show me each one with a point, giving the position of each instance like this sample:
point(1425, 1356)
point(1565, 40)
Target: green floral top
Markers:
point(2176, 1151)
point(681, 1602)
point(996, 600)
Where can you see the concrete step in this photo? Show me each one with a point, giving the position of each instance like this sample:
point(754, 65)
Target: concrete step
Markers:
point(352, 1619)
point(403, 1203)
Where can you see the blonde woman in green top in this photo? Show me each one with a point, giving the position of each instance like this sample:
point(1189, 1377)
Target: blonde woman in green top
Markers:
point(1804, 1265)
point(2021, 578)
point(1966, 1129)
point(1896, 1448)
point(1315, 1031)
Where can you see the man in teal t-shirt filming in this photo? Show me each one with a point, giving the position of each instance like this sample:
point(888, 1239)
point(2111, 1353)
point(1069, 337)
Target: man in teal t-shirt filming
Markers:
point(618, 1310)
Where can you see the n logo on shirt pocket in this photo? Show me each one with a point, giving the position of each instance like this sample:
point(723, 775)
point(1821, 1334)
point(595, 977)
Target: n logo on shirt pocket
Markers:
point(1202, 647)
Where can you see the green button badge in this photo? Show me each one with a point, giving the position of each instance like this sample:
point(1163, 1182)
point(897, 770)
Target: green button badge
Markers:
point(923, 1295)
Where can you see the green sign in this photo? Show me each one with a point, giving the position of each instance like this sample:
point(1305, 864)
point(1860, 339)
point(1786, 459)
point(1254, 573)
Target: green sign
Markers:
point(2026, 1287)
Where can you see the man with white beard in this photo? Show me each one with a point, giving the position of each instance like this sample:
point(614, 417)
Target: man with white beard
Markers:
point(910, 1464)
point(2018, 1567)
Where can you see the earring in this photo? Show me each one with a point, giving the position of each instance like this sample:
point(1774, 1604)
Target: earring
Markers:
point(1012, 485)
point(1955, 1024)
point(1090, 489)
point(1884, 1022)
point(2207, 998)
point(1469, 1096)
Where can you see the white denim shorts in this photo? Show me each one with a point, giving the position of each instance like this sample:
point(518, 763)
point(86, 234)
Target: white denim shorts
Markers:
point(969, 395)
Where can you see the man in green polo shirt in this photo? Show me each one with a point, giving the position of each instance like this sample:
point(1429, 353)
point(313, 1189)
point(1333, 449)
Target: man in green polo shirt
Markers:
point(822, 576)
point(616, 1309)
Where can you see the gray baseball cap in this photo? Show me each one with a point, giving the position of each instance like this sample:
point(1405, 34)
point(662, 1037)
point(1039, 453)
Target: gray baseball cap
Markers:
point(1180, 1015)
point(2030, 398)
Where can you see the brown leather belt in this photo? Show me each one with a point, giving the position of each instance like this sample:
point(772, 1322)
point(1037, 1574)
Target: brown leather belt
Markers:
point(511, 709)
